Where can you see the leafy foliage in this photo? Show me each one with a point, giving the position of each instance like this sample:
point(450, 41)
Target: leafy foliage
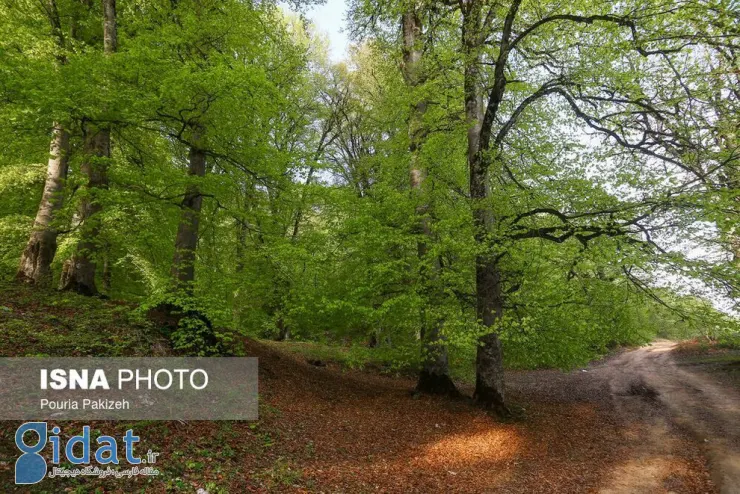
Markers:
point(615, 157)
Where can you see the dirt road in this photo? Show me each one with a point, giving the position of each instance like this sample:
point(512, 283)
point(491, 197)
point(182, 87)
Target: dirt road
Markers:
point(663, 404)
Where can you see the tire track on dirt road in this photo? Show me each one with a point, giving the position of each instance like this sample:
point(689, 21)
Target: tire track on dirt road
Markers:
point(663, 405)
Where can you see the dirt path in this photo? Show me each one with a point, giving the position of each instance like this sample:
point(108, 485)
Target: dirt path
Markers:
point(663, 406)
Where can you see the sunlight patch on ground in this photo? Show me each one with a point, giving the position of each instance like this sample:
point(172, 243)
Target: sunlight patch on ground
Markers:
point(464, 449)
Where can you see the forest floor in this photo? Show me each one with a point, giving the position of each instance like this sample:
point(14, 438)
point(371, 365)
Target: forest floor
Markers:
point(647, 420)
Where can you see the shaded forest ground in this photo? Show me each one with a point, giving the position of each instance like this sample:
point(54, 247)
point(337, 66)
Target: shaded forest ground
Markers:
point(603, 428)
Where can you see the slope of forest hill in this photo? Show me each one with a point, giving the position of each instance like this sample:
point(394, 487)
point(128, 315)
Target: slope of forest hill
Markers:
point(49, 323)
point(333, 429)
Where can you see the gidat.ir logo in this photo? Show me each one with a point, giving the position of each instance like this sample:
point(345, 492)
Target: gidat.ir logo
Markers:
point(32, 437)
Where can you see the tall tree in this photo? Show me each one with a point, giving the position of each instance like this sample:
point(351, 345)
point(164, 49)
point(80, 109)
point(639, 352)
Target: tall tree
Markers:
point(489, 382)
point(35, 263)
point(434, 374)
point(79, 271)
point(522, 47)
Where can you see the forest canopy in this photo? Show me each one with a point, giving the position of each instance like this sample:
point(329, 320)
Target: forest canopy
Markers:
point(512, 183)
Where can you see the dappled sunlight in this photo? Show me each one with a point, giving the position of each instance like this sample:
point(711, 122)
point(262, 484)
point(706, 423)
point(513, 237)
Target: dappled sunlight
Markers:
point(661, 346)
point(467, 448)
point(483, 454)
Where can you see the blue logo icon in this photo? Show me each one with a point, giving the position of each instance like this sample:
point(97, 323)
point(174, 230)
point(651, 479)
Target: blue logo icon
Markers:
point(30, 468)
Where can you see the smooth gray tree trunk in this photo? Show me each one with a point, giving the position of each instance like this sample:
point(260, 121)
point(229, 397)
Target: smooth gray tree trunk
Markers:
point(434, 374)
point(35, 264)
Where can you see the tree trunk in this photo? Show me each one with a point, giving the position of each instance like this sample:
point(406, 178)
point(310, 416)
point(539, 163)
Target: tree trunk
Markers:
point(186, 241)
point(283, 330)
point(434, 375)
point(302, 204)
point(489, 381)
point(107, 274)
point(79, 272)
point(489, 368)
point(110, 30)
point(35, 264)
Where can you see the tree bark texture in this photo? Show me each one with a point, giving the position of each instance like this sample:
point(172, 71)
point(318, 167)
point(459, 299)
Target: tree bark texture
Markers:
point(79, 272)
point(186, 241)
point(35, 264)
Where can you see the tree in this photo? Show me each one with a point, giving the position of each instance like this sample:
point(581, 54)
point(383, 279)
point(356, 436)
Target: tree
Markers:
point(186, 241)
point(79, 271)
point(434, 374)
point(489, 129)
point(35, 263)
point(530, 74)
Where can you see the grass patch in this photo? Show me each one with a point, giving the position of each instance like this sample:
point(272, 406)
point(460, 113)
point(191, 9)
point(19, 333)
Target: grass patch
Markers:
point(386, 360)
point(402, 361)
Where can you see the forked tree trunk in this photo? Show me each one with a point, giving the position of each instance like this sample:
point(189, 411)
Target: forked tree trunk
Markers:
point(78, 274)
point(35, 264)
point(434, 375)
point(489, 381)
point(186, 241)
